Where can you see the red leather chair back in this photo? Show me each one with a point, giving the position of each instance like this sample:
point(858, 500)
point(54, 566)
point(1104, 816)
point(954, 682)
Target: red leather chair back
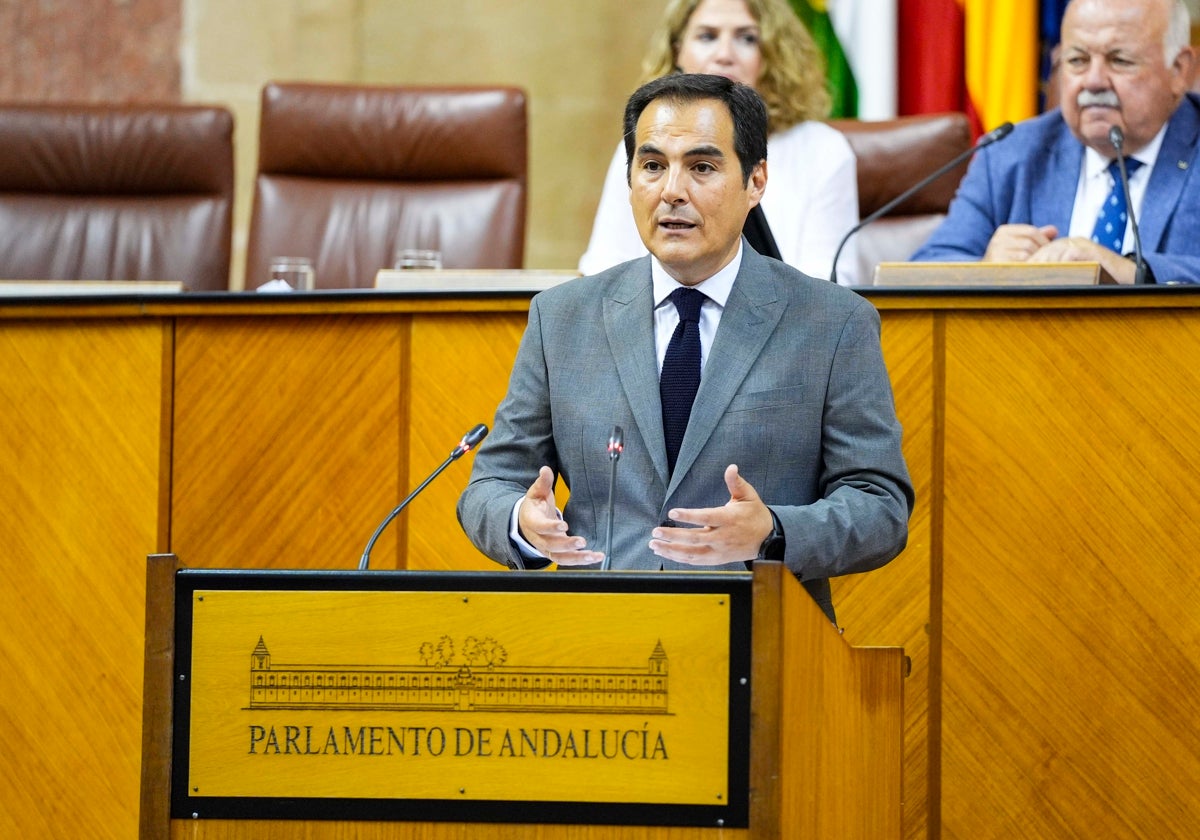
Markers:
point(892, 156)
point(346, 172)
point(116, 192)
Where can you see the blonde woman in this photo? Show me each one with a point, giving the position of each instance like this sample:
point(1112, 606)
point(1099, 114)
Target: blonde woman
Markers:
point(812, 193)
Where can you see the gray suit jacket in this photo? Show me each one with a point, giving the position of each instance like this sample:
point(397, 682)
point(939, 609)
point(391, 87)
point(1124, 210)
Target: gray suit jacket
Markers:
point(794, 392)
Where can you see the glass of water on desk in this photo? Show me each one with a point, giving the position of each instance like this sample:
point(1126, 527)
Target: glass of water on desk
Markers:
point(296, 272)
point(418, 244)
point(417, 258)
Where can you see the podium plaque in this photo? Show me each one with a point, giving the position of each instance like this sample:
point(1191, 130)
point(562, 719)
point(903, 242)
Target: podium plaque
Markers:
point(616, 699)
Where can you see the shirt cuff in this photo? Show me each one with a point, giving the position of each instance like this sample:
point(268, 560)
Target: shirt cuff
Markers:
point(527, 551)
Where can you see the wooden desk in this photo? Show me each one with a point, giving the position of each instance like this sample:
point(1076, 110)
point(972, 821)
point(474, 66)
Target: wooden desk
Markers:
point(1049, 596)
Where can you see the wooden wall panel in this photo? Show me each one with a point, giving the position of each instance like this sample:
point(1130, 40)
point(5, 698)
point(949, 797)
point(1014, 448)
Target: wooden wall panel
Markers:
point(459, 374)
point(287, 449)
point(80, 410)
point(1072, 588)
point(890, 606)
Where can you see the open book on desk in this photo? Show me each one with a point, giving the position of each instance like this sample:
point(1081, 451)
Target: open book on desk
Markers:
point(470, 280)
point(943, 274)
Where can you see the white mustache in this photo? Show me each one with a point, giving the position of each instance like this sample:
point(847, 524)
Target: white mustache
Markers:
point(1103, 98)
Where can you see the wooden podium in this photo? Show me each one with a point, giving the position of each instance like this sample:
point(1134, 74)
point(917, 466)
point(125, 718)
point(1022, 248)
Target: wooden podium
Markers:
point(553, 705)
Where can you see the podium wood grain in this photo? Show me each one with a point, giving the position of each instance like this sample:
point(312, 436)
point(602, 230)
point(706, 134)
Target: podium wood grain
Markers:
point(288, 446)
point(81, 484)
point(892, 605)
point(457, 376)
point(1071, 615)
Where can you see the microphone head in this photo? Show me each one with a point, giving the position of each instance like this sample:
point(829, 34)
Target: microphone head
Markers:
point(998, 133)
point(616, 442)
point(470, 440)
point(1116, 137)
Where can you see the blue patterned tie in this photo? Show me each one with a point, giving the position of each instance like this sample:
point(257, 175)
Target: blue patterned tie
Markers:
point(680, 377)
point(1114, 215)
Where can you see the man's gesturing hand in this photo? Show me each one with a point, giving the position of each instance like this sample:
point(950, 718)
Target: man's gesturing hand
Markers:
point(543, 528)
point(726, 534)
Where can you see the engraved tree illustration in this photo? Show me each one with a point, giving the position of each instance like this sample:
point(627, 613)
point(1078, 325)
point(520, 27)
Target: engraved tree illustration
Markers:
point(486, 651)
point(426, 653)
point(470, 651)
point(492, 652)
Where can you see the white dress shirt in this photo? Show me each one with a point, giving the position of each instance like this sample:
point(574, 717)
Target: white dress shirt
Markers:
point(716, 291)
point(1095, 184)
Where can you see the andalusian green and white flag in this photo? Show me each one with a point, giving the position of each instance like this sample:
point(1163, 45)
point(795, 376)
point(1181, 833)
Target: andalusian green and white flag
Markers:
point(858, 38)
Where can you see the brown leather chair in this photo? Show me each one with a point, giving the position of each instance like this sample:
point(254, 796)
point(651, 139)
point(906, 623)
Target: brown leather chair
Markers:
point(116, 192)
point(892, 156)
point(346, 173)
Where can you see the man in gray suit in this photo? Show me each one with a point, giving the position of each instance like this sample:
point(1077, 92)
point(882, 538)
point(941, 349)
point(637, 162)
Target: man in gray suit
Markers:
point(792, 447)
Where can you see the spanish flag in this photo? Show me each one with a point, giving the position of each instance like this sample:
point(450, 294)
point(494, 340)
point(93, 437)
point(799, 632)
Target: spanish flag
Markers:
point(923, 56)
point(1001, 61)
point(977, 56)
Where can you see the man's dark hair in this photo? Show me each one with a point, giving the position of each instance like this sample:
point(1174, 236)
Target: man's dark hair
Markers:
point(745, 106)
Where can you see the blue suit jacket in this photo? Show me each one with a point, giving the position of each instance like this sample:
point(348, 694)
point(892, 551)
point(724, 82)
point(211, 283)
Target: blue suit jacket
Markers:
point(1031, 178)
point(794, 392)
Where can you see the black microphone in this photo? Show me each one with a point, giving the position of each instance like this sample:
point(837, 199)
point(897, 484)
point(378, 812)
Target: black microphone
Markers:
point(470, 439)
point(1117, 138)
point(997, 133)
point(616, 445)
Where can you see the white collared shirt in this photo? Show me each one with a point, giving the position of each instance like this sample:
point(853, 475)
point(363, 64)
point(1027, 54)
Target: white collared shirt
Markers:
point(1095, 184)
point(716, 289)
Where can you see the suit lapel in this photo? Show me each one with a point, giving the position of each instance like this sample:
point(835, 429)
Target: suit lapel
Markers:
point(1056, 191)
point(629, 326)
point(1175, 156)
point(751, 314)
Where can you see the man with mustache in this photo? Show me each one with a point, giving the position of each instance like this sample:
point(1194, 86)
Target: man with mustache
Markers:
point(788, 450)
point(1039, 196)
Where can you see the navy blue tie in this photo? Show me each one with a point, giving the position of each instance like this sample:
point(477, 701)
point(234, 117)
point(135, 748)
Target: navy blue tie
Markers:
point(680, 377)
point(1114, 215)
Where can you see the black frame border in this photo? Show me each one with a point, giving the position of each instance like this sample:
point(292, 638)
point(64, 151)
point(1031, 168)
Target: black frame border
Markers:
point(734, 814)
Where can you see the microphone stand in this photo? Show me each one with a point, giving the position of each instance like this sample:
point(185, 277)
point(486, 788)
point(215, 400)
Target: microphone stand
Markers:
point(616, 444)
point(1117, 138)
point(998, 133)
point(465, 445)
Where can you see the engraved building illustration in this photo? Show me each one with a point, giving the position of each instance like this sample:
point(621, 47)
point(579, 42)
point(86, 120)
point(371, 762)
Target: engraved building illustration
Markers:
point(469, 686)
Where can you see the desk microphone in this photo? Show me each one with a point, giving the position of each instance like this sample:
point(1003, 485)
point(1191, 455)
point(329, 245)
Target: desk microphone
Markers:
point(1117, 138)
point(997, 133)
point(470, 439)
point(616, 445)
